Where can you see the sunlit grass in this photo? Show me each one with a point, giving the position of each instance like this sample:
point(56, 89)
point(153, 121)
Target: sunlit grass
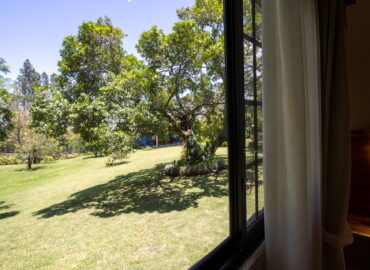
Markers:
point(80, 214)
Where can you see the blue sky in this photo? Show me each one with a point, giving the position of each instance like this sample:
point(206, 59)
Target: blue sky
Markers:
point(34, 29)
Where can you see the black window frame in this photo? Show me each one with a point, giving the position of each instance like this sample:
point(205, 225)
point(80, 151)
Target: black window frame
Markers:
point(243, 240)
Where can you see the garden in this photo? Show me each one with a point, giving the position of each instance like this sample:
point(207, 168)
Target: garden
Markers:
point(78, 189)
point(77, 213)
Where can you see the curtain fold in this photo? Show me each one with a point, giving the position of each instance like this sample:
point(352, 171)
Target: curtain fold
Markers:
point(335, 133)
point(306, 134)
point(292, 150)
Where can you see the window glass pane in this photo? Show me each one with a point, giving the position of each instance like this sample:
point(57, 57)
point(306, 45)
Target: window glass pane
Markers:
point(253, 103)
point(258, 24)
point(127, 149)
point(248, 29)
point(260, 161)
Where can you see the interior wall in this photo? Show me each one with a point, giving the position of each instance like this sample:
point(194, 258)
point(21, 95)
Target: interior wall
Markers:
point(358, 62)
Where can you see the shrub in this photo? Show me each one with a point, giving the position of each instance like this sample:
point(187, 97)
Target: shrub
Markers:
point(109, 162)
point(183, 168)
point(53, 149)
point(224, 144)
point(33, 149)
point(113, 161)
point(172, 170)
point(9, 160)
point(87, 153)
point(47, 159)
point(119, 146)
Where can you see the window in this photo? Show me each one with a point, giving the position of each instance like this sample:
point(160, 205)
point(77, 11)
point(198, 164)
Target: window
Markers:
point(253, 111)
point(243, 53)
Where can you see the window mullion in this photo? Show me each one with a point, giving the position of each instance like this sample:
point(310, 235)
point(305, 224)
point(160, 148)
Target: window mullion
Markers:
point(234, 57)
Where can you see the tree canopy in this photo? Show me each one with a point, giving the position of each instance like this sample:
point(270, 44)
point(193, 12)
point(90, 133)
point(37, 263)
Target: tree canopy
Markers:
point(183, 92)
point(110, 98)
point(6, 114)
point(76, 98)
point(27, 81)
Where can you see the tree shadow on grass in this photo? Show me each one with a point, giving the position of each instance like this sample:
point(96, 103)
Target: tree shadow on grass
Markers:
point(8, 214)
point(4, 206)
point(90, 157)
point(144, 191)
point(119, 163)
point(36, 168)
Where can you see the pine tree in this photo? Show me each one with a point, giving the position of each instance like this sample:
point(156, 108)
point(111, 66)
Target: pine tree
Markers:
point(28, 80)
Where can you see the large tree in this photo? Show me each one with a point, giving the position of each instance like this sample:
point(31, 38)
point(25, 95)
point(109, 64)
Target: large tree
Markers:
point(208, 15)
point(50, 111)
point(180, 89)
point(89, 57)
point(44, 79)
point(181, 82)
point(25, 87)
point(76, 100)
point(27, 81)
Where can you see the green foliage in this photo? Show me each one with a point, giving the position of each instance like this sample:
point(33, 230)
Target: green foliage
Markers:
point(78, 101)
point(126, 97)
point(6, 114)
point(208, 15)
point(209, 127)
point(35, 147)
point(175, 84)
point(19, 120)
point(28, 80)
point(53, 148)
point(47, 159)
point(50, 111)
point(109, 162)
point(4, 68)
point(195, 152)
point(32, 149)
point(44, 79)
point(89, 61)
point(109, 98)
point(89, 57)
point(119, 146)
point(71, 143)
point(9, 160)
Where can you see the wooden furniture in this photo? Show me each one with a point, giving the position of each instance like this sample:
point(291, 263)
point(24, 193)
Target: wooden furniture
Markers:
point(359, 205)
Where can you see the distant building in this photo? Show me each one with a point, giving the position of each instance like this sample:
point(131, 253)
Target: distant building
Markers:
point(155, 141)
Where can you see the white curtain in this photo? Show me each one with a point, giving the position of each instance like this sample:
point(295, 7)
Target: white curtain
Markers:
point(292, 151)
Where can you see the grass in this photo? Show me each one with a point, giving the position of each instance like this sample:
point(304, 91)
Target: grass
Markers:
point(79, 214)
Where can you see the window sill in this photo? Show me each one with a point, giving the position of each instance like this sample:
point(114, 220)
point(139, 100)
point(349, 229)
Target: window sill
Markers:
point(257, 260)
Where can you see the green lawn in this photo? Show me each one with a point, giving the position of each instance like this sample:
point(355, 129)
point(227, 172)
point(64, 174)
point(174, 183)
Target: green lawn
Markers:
point(79, 214)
